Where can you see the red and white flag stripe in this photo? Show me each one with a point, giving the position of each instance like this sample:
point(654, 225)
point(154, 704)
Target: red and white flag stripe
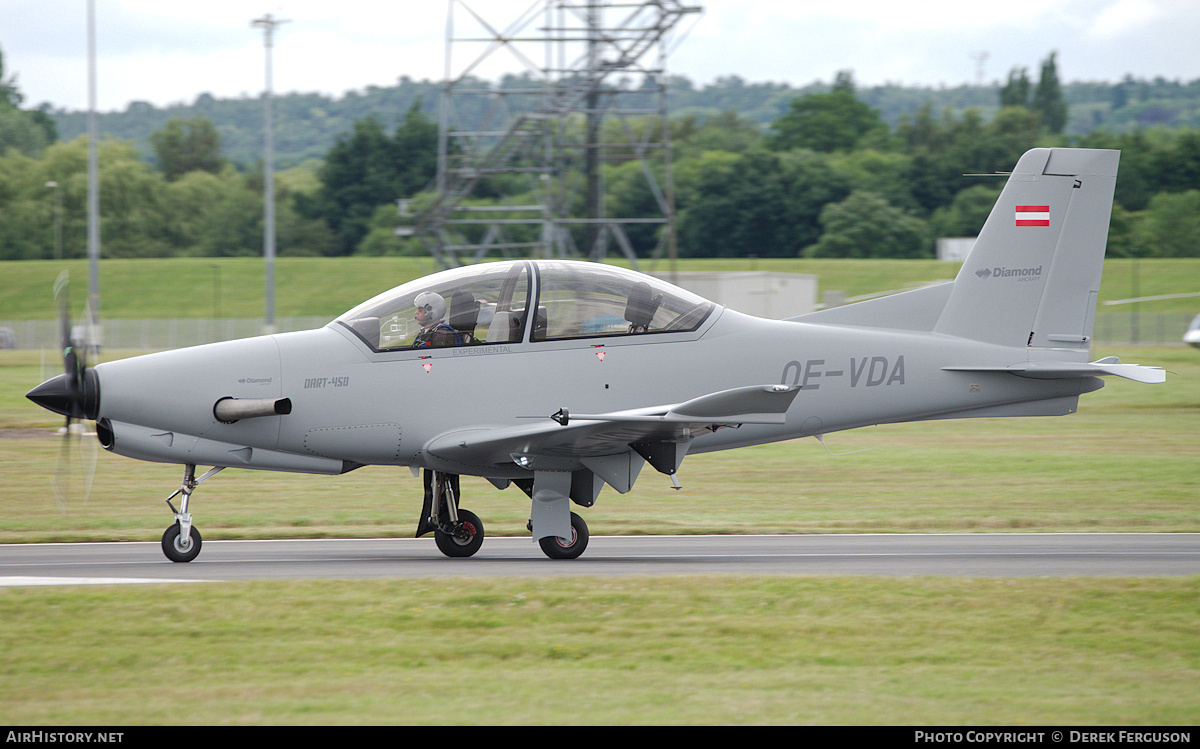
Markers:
point(1033, 215)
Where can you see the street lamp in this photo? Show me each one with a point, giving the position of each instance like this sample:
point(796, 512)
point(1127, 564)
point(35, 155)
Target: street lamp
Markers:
point(58, 210)
point(268, 23)
point(216, 269)
point(1134, 316)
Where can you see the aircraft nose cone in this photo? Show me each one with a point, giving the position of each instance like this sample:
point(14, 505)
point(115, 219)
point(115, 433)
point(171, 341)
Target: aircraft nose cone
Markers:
point(54, 395)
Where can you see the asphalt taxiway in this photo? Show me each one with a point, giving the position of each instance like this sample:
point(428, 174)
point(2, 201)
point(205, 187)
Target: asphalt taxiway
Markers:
point(959, 555)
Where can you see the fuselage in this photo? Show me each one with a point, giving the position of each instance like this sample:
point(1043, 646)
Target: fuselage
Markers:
point(352, 405)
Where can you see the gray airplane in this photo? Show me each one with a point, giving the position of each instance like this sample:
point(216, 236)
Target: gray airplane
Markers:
point(560, 377)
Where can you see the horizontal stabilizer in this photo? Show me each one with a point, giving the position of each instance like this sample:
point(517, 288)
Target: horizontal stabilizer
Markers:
point(1049, 370)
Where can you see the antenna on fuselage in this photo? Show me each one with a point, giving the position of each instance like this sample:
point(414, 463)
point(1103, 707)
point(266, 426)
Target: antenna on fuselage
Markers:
point(821, 439)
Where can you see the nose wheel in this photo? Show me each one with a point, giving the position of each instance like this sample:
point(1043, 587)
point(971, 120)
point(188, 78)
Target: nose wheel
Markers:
point(180, 548)
point(181, 541)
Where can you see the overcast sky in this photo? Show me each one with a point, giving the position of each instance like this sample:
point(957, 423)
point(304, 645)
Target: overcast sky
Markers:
point(165, 51)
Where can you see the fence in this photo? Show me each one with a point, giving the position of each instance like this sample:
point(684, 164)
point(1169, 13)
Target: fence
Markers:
point(1146, 328)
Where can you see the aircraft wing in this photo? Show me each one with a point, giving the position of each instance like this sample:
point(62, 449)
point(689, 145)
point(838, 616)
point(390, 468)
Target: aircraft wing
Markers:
point(660, 434)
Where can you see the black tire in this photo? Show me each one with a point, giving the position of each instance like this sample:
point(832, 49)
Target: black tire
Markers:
point(467, 542)
point(175, 550)
point(554, 547)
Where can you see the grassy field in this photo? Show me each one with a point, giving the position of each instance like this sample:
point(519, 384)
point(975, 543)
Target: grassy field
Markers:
point(696, 650)
point(184, 287)
point(655, 650)
point(681, 650)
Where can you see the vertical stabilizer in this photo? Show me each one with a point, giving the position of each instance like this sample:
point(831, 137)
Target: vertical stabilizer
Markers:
point(1034, 274)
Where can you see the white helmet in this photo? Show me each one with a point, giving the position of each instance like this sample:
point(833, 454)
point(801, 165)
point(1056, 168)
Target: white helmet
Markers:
point(433, 304)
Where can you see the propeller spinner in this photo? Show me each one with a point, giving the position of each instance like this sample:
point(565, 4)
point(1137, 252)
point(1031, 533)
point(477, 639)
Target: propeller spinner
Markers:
point(75, 394)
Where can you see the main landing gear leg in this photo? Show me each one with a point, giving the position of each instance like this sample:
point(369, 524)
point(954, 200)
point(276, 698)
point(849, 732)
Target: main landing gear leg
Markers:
point(457, 532)
point(561, 533)
point(181, 541)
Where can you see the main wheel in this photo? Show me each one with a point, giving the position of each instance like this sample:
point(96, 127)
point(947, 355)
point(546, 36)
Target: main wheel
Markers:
point(555, 548)
point(465, 541)
point(178, 549)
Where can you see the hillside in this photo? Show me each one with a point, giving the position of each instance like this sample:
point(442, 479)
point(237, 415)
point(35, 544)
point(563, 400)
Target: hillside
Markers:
point(309, 123)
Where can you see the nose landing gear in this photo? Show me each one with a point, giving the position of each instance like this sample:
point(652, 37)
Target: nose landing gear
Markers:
point(181, 541)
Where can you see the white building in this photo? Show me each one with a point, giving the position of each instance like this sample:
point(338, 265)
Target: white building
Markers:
point(954, 248)
point(776, 296)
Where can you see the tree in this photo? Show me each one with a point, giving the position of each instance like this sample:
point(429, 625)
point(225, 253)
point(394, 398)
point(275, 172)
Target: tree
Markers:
point(723, 131)
point(1178, 164)
point(759, 203)
point(367, 169)
point(214, 215)
point(27, 132)
point(414, 149)
point(1048, 98)
point(865, 225)
point(1015, 92)
point(188, 145)
point(10, 95)
point(130, 211)
point(945, 148)
point(1170, 225)
point(884, 173)
point(354, 180)
point(965, 216)
point(835, 121)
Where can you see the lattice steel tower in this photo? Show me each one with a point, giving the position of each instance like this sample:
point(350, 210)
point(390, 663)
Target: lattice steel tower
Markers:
point(539, 135)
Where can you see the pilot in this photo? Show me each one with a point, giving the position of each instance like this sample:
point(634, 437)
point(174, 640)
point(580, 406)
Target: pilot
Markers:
point(431, 308)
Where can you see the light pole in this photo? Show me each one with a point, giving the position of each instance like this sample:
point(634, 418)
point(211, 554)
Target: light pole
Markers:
point(1133, 315)
point(93, 197)
point(216, 269)
point(57, 219)
point(268, 23)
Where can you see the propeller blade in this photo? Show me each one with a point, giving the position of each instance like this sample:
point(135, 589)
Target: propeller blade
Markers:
point(90, 343)
point(62, 287)
point(60, 481)
point(75, 395)
point(89, 450)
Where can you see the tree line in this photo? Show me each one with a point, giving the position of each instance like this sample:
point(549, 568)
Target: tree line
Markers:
point(828, 177)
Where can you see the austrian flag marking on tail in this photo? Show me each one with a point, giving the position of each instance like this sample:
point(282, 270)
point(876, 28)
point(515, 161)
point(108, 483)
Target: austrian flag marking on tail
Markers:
point(1033, 215)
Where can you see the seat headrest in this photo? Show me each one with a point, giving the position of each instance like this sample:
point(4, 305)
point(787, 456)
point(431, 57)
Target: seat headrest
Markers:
point(642, 304)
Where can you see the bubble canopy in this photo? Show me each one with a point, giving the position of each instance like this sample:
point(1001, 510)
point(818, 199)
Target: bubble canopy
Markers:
point(524, 301)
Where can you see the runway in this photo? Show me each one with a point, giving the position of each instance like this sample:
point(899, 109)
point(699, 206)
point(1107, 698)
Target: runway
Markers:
point(957, 555)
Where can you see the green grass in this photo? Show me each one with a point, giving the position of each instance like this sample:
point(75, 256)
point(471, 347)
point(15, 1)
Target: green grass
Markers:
point(653, 650)
point(184, 287)
point(698, 650)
